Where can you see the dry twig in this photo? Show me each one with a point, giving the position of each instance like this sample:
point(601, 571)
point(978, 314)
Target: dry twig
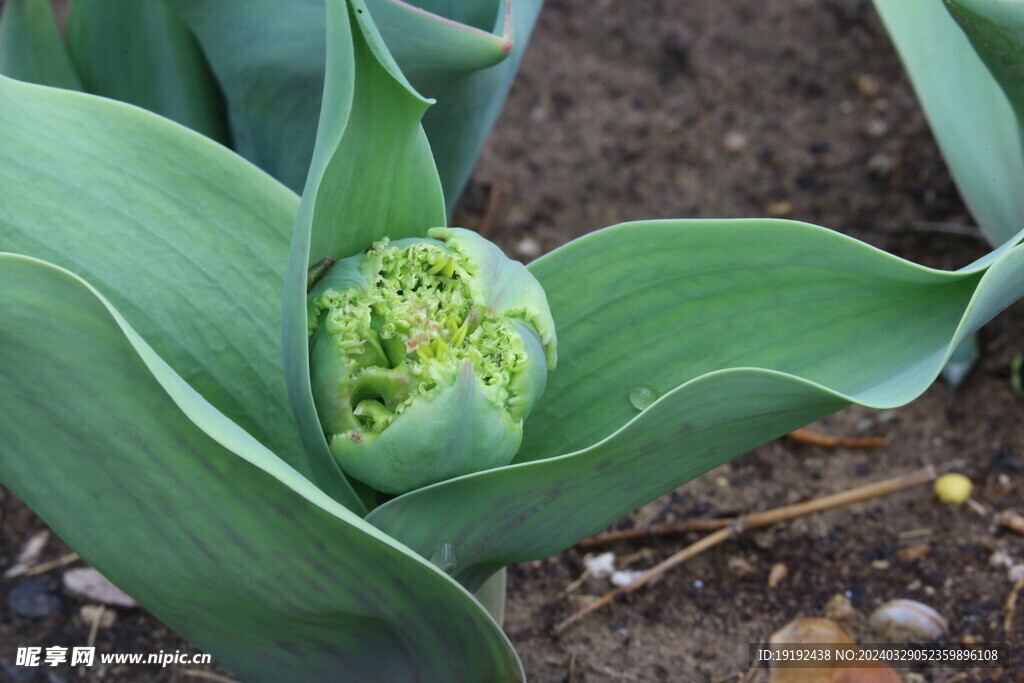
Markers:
point(753, 521)
point(52, 564)
point(1011, 607)
point(813, 438)
point(485, 226)
point(657, 530)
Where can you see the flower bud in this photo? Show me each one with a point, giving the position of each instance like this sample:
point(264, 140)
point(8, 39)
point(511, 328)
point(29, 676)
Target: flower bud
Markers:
point(426, 356)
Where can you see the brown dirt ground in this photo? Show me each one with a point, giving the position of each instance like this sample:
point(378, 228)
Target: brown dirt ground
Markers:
point(661, 109)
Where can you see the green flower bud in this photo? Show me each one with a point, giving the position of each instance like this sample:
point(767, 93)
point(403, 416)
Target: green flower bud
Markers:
point(426, 356)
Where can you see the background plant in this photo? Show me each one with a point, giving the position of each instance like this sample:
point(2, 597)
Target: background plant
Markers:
point(250, 73)
point(725, 337)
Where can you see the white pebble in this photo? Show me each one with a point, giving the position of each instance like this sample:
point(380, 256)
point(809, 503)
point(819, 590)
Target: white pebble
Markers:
point(624, 577)
point(600, 566)
point(903, 620)
point(89, 583)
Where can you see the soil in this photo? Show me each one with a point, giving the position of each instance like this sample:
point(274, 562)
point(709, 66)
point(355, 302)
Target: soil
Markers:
point(661, 109)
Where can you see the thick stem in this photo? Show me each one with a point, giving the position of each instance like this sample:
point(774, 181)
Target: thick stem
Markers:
point(492, 596)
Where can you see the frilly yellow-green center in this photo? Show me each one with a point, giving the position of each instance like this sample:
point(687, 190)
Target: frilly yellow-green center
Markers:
point(426, 357)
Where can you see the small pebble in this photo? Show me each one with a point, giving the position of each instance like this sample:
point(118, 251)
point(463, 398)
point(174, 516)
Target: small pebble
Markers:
point(1011, 520)
point(89, 583)
point(1000, 558)
point(953, 488)
point(31, 598)
point(780, 209)
point(528, 247)
point(880, 165)
point(29, 554)
point(876, 128)
point(907, 620)
point(839, 608)
point(740, 565)
point(734, 141)
point(867, 85)
point(1016, 573)
point(777, 575)
point(600, 566)
point(913, 553)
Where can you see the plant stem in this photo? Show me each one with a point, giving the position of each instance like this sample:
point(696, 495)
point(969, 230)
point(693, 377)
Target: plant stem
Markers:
point(492, 595)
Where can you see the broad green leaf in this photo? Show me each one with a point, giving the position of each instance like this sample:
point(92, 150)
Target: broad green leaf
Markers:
point(268, 57)
point(31, 48)
point(226, 543)
point(747, 329)
point(996, 30)
point(372, 176)
point(968, 112)
point(140, 52)
point(186, 238)
point(467, 67)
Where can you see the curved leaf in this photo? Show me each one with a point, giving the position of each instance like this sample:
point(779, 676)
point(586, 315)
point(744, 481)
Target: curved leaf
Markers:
point(968, 112)
point(469, 96)
point(140, 52)
point(31, 48)
point(372, 176)
point(749, 328)
point(227, 544)
point(268, 57)
point(996, 30)
point(185, 237)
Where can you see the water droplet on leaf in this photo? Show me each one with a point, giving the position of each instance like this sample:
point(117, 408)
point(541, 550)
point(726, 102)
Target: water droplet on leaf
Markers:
point(642, 397)
point(444, 558)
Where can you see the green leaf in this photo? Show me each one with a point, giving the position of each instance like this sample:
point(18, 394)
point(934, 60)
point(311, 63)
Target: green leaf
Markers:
point(372, 176)
point(996, 30)
point(268, 57)
point(969, 114)
point(185, 237)
point(747, 328)
point(31, 48)
point(140, 52)
point(467, 67)
point(226, 543)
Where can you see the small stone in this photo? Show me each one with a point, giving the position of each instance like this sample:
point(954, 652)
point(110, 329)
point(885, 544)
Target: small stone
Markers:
point(867, 85)
point(876, 128)
point(913, 553)
point(600, 566)
point(740, 565)
point(1011, 520)
point(734, 141)
point(1016, 573)
point(528, 247)
point(881, 565)
point(880, 165)
point(89, 614)
point(18, 673)
point(779, 209)
point(89, 583)
point(839, 608)
point(29, 554)
point(1000, 558)
point(31, 598)
point(907, 620)
point(777, 575)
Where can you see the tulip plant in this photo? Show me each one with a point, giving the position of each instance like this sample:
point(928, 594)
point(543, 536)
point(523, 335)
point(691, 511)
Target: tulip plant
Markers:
point(966, 61)
point(337, 495)
point(249, 73)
